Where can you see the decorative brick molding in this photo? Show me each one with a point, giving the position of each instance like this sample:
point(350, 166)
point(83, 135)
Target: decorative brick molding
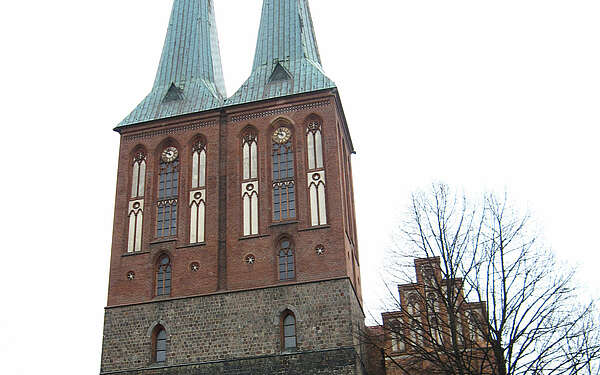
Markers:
point(277, 111)
point(179, 129)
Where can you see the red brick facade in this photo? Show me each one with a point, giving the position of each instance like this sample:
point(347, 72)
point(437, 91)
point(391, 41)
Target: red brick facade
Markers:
point(222, 256)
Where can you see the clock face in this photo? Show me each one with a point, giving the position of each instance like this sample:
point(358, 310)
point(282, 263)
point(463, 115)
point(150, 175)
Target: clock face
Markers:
point(169, 154)
point(282, 135)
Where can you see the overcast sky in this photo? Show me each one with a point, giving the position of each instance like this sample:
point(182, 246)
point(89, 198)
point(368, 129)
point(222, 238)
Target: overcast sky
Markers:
point(484, 95)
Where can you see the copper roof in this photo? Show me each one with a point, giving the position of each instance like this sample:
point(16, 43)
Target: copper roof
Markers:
point(189, 77)
point(286, 61)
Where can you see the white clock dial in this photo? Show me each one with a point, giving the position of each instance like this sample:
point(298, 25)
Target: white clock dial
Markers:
point(169, 154)
point(282, 135)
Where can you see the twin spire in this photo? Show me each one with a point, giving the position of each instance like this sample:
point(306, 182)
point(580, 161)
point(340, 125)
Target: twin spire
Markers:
point(190, 77)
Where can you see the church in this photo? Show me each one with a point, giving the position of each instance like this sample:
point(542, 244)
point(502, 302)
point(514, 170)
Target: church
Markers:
point(234, 246)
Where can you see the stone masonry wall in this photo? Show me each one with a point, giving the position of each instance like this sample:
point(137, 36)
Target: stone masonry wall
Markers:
point(330, 362)
point(233, 326)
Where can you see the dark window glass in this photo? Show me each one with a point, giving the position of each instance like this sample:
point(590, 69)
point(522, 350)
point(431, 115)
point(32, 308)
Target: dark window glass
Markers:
point(286, 261)
point(168, 188)
point(289, 332)
point(161, 345)
point(168, 181)
point(163, 277)
point(284, 206)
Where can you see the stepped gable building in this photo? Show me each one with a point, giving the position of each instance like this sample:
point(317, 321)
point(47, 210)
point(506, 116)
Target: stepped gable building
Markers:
point(435, 331)
point(234, 246)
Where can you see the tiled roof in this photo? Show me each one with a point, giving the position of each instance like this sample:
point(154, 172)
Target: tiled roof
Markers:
point(189, 77)
point(286, 61)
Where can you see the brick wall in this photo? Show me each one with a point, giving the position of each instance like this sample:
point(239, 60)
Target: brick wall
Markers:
point(221, 257)
point(229, 327)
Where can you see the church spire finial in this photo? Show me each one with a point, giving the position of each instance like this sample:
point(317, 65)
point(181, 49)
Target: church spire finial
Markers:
point(189, 77)
point(286, 61)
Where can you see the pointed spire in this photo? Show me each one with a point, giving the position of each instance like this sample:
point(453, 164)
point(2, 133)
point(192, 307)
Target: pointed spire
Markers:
point(286, 61)
point(189, 77)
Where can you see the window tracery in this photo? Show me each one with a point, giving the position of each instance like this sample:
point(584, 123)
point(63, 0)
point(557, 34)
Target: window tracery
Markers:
point(168, 192)
point(250, 182)
point(136, 218)
point(316, 173)
point(284, 195)
point(413, 303)
point(198, 193)
point(138, 180)
point(314, 145)
point(136, 205)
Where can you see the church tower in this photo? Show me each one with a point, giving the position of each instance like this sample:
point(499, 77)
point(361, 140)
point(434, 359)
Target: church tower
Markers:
point(234, 245)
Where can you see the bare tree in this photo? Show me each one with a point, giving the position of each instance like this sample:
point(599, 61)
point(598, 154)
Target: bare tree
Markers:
point(488, 297)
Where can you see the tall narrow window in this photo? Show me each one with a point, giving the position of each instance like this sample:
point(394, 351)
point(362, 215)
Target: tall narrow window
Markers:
point(288, 332)
point(159, 345)
point(397, 342)
point(415, 331)
point(475, 328)
point(139, 175)
point(284, 196)
point(433, 305)
point(314, 145)
point(198, 192)
point(136, 204)
point(316, 174)
point(459, 329)
point(163, 276)
point(286, 261)
point(436, 331)
point(136, 217)
point(250, 182)
point(168, 190)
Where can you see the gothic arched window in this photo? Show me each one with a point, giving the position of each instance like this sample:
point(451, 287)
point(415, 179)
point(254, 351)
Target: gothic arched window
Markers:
point(316, 173)
point(138, 179)
point(168, 191)
point(159, 345)
point(198, 192)
point(286, 260)
point(475, 327)
point(250, 182)
point(136, 204)
point(284, 195)
point(314, 145)
point(163, 276)
point(288, 331)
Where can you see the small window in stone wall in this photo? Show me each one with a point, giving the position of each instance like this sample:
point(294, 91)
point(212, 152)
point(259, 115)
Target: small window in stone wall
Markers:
point(288, 331)
point(159, 352)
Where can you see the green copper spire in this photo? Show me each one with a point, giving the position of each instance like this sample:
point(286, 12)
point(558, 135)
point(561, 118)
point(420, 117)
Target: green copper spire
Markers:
point(286, 61)
point(189, 77)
